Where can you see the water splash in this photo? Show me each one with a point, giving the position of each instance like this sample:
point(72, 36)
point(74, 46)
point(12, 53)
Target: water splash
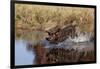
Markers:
point(79, 40)
point(82, 37)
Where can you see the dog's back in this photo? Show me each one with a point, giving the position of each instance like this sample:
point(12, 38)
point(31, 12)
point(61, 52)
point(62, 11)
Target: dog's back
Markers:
point(61, 34)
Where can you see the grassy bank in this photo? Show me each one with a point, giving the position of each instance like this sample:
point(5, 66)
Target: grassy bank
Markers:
point(35, 17)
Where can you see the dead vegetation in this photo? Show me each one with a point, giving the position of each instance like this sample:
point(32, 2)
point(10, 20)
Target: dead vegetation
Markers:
point(35, 17)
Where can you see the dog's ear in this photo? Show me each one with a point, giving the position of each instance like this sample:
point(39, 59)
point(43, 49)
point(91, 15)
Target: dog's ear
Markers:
point(58, 29)
point(48, 32)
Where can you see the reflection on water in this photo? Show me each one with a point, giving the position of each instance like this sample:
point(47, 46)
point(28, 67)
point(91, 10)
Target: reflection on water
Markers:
point(32, 49)
point(28, 54)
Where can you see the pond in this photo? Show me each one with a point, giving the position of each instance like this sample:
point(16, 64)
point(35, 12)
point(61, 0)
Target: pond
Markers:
point(24, 56)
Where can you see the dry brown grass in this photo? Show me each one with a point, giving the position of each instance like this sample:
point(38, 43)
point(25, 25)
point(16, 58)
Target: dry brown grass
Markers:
point(31, 17)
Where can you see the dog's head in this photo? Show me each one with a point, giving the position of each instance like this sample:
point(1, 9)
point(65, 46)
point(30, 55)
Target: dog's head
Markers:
point(53, 35)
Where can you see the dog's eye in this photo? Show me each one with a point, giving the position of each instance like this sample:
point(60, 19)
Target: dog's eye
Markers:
point(47, 38)
point(51, 33)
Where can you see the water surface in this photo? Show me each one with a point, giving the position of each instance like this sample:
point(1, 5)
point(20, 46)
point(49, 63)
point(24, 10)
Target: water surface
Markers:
point(22, 55)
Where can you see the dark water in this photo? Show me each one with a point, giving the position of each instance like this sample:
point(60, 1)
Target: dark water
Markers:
point(23, 56)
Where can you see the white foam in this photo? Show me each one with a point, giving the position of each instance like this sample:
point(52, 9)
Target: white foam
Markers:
point(82, 37)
